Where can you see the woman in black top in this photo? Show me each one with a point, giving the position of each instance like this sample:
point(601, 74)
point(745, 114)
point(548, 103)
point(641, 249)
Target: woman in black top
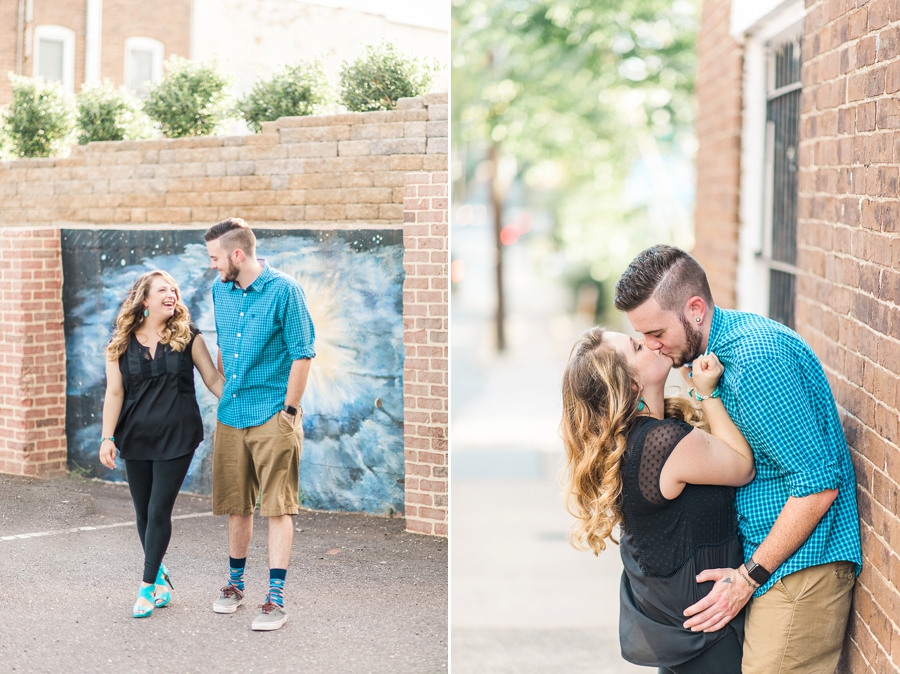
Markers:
point(150, 414)
point(639, 461)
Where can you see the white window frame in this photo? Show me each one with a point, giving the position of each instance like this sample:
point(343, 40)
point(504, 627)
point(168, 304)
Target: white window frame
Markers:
point(57, 34)
point(157, 48)
point(757, 32)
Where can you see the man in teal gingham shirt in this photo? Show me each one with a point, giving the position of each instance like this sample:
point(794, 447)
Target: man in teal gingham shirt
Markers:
point(798, 518)
point(265, 337)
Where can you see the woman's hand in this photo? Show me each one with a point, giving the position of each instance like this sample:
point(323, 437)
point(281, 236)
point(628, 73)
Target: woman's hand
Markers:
point(108, 454)
point(707, 370)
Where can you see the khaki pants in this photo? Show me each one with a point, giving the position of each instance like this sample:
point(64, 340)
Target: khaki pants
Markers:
point(260, 458)
point(798, 626)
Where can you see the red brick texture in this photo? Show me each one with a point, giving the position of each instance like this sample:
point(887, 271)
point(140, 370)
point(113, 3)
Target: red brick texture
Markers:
point(848, 296)
point(719, 101)
point(426, 372)
point(32, 353)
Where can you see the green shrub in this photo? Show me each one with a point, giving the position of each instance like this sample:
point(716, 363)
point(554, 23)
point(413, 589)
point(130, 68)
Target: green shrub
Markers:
point(381, 75)
point(39, 120)
point(298, 89)
point(192, 99)
point(107, 113)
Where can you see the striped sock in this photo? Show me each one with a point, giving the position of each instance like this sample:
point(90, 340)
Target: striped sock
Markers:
point(236, 577)
point(276, 586)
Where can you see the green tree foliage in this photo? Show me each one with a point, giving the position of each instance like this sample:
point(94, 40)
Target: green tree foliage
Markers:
point(108, 113)
point(40, 119)
point(579, 92)
point(381, 75)
point(294, 90)
point(192, 99)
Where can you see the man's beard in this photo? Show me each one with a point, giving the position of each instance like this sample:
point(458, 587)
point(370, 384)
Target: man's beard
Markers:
point(693, 339)
point(231, 273)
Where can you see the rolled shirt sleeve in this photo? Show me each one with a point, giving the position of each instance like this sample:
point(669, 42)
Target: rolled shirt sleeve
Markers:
point(299, 332)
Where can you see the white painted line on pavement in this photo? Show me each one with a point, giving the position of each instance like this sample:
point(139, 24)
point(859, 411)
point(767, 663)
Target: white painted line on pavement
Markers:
point(75, 530)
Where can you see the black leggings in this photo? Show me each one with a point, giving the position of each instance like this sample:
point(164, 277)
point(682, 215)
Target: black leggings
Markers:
point(154, 487)
point(723, 657)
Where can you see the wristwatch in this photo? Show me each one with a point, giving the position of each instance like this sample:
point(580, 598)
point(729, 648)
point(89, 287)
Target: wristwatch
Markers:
point(288, 409)
point(758, 574)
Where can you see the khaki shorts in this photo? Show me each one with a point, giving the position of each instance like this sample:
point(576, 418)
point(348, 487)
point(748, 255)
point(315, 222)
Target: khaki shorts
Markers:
point(260, 458)
point(798, 625)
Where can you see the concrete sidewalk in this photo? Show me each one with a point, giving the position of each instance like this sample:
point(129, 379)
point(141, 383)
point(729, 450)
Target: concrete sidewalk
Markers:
point(363, 595)
point(523, 601)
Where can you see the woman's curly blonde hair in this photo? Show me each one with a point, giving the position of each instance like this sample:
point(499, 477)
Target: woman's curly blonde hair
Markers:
point(600, 397)
point(177, 332)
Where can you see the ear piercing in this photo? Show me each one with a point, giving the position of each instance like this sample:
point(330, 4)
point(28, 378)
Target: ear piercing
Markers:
point(697, 318)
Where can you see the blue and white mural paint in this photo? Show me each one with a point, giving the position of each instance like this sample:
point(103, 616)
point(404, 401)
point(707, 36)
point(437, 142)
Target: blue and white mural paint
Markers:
point(353, 406)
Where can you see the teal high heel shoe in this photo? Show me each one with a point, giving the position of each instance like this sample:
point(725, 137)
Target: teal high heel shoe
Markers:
point(146, 593)
point(163, 583)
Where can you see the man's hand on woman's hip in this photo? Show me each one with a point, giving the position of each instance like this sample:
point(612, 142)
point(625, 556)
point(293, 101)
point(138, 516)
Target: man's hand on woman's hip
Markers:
point(728, 596)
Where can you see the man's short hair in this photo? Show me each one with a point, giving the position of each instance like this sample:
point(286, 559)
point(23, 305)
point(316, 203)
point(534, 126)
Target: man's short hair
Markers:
point(665, 273)
point(234, 233)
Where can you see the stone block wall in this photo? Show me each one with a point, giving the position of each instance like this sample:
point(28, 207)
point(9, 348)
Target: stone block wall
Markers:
point(425, 336)
point(719, 100)
point(848, 298)
point(330, 172)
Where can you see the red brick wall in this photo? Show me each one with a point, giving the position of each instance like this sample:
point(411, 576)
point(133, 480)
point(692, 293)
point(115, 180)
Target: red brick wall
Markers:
point(425, 372)
point(9, 18)
point(32, 353)
point(847, 304)
point(718, 90)
point(168, 21)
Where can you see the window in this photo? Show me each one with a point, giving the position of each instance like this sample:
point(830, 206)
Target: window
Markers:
point(783, 136)
point(767, 252)
point(54, 55)
point(143, 63)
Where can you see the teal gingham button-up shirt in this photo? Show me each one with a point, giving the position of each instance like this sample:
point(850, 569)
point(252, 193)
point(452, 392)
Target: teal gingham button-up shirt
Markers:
point(261, 330)
point(776, 391)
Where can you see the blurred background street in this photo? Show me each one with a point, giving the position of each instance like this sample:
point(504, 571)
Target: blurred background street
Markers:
point(573, 141)
point(522, 599)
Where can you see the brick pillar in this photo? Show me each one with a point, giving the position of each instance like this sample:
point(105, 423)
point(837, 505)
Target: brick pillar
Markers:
point(32, 353)
point(719, 120)
point(425, 331)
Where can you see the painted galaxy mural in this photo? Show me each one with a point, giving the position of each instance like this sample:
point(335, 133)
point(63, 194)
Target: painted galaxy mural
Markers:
point(353, 406)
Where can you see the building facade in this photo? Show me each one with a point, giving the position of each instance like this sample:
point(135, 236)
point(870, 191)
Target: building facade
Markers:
point(797, 219)
point(78, 41)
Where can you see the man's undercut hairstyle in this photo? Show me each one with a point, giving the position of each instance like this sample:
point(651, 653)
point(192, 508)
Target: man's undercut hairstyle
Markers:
point(233, 233)
point(665, 273)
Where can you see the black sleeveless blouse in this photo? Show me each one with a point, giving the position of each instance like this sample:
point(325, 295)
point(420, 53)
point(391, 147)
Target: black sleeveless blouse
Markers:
point(664, 545)
point(160, 418)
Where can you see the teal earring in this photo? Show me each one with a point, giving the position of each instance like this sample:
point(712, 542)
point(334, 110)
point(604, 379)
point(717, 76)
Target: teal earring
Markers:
point(641, 405)
point(146, 313)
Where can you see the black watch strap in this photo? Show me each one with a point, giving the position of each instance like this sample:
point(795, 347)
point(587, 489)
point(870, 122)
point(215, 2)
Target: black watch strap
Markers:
point(758, 574)
point(288, 409)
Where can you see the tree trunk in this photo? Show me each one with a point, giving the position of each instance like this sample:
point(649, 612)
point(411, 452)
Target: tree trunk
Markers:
point(497, 198)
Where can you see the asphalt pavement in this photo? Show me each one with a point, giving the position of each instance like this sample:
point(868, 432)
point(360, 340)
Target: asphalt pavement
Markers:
point(363, 595)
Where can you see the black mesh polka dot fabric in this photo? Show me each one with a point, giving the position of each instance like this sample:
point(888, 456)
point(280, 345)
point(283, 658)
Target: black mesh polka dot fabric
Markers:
point(664, 545)
point(667, 532)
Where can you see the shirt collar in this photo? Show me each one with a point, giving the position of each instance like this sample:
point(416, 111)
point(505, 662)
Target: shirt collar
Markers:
point(715, 327)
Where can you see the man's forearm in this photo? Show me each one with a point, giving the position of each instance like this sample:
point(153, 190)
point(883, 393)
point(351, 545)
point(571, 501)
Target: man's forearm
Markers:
point(796, 521)
point(297, 381)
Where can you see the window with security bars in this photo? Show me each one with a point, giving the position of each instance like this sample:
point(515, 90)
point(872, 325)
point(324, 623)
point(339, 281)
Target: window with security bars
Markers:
point(783, 135)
